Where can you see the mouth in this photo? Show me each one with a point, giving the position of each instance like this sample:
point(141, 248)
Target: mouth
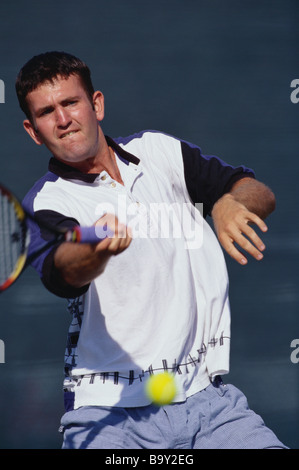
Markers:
point(67, 134)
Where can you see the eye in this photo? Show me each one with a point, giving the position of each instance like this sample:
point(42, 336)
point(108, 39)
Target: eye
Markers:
point(71, 102)
point(45, 111)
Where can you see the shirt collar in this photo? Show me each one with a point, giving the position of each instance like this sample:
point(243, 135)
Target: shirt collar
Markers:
point(68, 172)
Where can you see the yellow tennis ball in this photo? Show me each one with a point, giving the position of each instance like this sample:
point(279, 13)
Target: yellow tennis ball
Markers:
point(161, 388)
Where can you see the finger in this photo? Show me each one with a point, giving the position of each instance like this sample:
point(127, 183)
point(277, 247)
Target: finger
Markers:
point(124, 241)
point(118, 245)
point(252, 235)
point(118, 241)
point(230, 248)
point(253, 218)
point(247, 246)
point(121, 239)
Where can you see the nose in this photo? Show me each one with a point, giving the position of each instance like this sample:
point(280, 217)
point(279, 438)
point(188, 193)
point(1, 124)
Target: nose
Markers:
point(63, 118)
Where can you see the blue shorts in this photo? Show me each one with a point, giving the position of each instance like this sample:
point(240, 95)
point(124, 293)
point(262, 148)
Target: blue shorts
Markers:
point(218, 417)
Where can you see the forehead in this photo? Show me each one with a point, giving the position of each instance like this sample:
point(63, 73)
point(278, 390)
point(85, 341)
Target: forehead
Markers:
point(55, 91)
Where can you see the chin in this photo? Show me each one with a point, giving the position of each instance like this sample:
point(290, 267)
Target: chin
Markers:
point(82, 162)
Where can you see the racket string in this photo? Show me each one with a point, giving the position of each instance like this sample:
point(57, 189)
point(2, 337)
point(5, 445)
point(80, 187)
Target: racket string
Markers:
point(12, 238)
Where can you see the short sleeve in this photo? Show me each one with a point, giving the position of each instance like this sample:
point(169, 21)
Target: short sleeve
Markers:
point(208, 177)
point(44, 263)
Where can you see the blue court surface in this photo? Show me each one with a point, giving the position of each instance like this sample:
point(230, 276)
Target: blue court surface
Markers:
point(216, 73)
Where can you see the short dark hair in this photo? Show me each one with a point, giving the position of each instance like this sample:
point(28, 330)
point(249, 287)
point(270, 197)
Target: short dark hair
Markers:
point(47, 67)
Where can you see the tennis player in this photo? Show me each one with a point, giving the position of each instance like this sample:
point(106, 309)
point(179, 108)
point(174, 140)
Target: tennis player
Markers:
point(154, 296)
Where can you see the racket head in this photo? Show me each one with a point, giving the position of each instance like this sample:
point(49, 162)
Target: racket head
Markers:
point(14, 238)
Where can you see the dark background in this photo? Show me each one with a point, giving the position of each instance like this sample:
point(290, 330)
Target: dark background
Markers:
point(216, 73)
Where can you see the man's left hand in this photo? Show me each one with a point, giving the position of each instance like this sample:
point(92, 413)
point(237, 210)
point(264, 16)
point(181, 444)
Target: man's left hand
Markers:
point(232, 222)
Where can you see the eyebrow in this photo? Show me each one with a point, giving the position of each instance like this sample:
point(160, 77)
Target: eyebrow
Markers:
point(50, 106)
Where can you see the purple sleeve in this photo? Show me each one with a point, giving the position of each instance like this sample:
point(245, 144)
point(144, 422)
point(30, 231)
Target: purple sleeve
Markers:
point(44, 264)
point(208, 177)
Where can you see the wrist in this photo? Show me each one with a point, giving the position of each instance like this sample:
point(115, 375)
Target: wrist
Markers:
point(223, 199)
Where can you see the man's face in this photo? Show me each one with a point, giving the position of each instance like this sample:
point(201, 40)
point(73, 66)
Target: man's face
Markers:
point(65, 120)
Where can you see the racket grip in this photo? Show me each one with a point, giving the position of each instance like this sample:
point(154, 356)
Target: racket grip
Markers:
point(90, 234)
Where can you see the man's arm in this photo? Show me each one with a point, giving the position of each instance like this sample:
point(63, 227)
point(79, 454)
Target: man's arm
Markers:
point(248, 202)
point(78, 264)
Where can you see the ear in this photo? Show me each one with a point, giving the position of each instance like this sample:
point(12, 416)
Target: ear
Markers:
point(32, 131)
point(98, 103)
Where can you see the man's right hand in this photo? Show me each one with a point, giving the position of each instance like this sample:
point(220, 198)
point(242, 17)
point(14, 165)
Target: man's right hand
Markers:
point(79, 264)
point(121, 239)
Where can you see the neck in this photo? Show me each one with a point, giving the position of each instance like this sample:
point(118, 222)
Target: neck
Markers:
point(111, 166)
point(105, 162)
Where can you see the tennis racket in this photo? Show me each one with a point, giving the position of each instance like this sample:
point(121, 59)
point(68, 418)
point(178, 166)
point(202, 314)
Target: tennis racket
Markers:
point(15, 238)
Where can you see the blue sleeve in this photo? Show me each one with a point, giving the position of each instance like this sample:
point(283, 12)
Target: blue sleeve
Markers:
point(44, 264)
point(208, 177)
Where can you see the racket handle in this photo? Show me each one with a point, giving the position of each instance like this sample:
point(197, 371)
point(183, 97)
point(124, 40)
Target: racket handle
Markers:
point(89, 234)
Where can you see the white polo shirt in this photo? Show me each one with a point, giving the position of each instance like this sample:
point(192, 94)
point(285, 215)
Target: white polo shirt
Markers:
point(163, 303)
